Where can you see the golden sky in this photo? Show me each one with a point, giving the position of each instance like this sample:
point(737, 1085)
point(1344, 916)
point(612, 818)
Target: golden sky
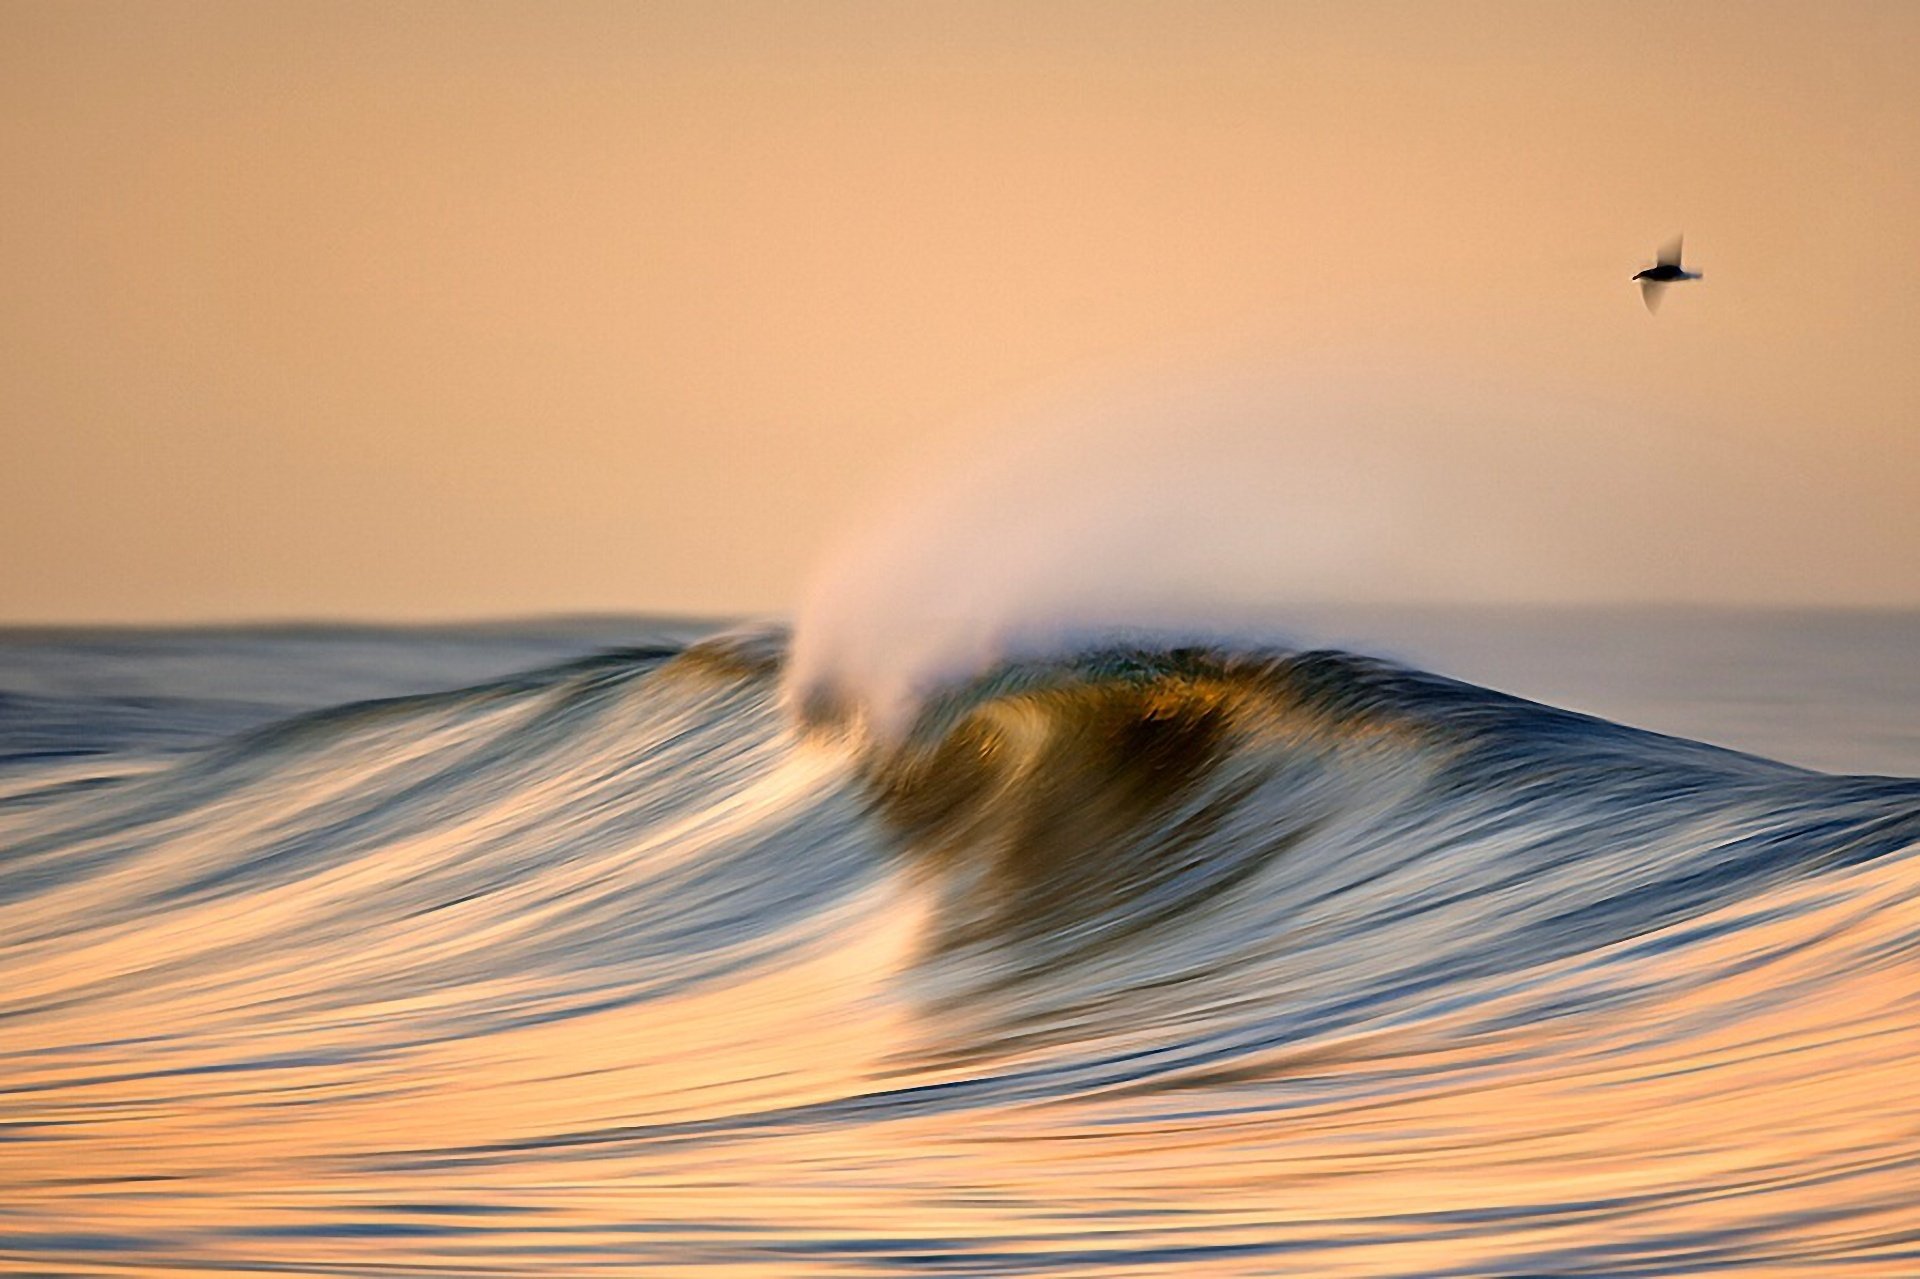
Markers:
point(427, 310)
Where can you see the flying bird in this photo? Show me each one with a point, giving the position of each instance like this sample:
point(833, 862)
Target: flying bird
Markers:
point(1655, 279)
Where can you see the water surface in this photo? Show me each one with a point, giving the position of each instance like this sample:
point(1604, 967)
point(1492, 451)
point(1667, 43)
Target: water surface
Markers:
point(575, 953)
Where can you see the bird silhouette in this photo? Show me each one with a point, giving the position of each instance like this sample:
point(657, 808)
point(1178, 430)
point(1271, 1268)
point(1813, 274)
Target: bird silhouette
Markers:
point(1667, 270)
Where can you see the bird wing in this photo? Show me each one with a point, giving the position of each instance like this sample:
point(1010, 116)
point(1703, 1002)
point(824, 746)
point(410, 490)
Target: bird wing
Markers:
point(1650, 292)
point(1670, 252)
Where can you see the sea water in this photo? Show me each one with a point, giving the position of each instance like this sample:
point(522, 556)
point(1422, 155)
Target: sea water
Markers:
point(1434, 942)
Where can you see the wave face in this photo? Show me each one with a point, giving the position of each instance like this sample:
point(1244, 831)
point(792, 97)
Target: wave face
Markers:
point(1128, 961)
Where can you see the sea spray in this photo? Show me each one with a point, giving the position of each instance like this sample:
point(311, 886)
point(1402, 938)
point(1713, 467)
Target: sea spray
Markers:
point(1237, 508)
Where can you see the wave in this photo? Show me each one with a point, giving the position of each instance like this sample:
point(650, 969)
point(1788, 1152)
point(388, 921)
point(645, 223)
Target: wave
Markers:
point(1143, 957)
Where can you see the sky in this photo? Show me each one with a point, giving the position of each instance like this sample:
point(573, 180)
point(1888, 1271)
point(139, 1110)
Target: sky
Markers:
point(424, 310)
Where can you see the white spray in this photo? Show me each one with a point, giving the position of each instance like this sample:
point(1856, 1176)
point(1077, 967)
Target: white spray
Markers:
point(1231, 506)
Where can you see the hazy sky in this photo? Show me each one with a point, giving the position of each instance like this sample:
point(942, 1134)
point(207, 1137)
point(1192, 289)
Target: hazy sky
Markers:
point(411, 309)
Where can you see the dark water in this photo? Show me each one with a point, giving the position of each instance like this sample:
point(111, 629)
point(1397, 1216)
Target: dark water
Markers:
point(569, 959)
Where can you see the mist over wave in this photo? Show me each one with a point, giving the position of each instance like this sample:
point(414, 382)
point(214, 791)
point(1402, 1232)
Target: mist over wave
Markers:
point(1226, 507)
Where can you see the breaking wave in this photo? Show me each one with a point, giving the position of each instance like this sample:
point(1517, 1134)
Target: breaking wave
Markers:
point(1120, 958)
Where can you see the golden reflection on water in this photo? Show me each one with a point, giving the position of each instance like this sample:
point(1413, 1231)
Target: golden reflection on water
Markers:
point(1741, 1087)
point(610, 976)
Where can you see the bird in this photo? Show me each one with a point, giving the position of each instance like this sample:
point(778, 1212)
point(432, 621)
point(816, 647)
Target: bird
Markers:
point(1667, 270)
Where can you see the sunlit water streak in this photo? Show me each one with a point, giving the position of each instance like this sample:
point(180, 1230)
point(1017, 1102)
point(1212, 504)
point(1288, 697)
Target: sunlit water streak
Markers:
point(1122, 962)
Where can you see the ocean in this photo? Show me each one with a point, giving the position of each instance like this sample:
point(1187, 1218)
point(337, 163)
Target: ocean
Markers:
point(1464, 942)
